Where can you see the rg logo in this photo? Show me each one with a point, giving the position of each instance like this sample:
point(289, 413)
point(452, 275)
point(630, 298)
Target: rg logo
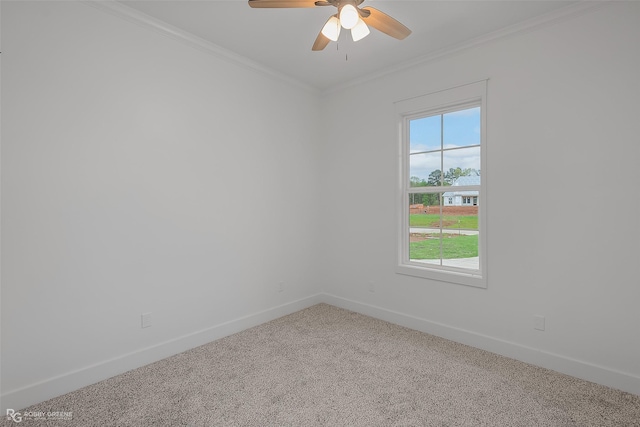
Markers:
point(13, 415)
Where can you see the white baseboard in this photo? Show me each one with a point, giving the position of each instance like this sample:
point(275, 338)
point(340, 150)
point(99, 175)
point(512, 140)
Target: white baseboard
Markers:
point(56, 386)
point(556, 362)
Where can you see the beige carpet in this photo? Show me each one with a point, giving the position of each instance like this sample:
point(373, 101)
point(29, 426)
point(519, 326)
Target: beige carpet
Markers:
point(325, 366)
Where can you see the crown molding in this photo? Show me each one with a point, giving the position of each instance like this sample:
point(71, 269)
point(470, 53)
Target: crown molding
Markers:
point(139, 18)
point(565, 13)
point(129, 14)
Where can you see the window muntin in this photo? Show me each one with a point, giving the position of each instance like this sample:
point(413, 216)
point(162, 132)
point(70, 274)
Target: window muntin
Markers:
point(442, 215)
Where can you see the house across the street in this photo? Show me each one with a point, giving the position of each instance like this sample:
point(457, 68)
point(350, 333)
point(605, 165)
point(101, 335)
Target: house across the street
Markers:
point(463, 198)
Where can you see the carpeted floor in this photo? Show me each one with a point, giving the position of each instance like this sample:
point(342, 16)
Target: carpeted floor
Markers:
point(324, 366)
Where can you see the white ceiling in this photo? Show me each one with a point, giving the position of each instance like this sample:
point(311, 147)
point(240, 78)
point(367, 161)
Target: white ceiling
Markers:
point(281, 39)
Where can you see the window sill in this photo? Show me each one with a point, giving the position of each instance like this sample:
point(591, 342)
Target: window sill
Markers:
point(460, 278)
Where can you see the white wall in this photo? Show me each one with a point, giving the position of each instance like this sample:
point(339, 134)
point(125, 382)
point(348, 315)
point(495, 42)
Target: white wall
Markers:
point(140, 174)
point(562, 122)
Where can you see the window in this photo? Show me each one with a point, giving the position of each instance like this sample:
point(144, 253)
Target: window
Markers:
point(441, 206)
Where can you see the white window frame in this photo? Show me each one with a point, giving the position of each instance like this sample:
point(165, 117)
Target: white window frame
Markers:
point(459, 97)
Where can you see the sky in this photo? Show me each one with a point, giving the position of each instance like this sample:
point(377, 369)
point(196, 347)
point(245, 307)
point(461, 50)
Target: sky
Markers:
point(459, 129)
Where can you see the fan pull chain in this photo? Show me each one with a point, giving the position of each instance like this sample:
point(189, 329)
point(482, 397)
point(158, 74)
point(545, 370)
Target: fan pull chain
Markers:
point(346, 55)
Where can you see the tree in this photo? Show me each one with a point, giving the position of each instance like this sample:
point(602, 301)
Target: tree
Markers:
point(454, 173)
point(431, 199)
point(435, 178)
point(415, 181)
point(414, 198)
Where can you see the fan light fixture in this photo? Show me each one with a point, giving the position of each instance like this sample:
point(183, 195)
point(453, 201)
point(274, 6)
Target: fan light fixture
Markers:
point(331, 29)
point(350, 17)
point(360, 31)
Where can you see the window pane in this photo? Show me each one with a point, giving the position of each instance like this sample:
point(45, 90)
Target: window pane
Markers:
point(462, 162)
point(424, 134)
point(460, 232)
point(462, 128)
point(424, 170)
point(424, 246)
point(424, 228)
point(424, 211)
point(460, 250)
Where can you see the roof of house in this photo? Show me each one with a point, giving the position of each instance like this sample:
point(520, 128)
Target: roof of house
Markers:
point(467, 180)
point(464, 181)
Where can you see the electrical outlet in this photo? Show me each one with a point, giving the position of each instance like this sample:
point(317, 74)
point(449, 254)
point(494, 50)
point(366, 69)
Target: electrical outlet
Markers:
point(538, 323)
point(145, 320)
point(372, 288)
point(280, 286)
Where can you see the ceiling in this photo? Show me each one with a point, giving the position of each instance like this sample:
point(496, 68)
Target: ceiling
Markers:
point(281, 39)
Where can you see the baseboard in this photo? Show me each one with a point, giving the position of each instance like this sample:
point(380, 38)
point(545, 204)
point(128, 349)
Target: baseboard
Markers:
point(56, 386)
point(556, 362)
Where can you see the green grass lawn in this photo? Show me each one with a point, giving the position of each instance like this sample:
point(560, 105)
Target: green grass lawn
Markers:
point(453, 246)
point(469, 222)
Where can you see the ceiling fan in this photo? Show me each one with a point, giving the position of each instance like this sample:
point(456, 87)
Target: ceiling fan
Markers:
point(349, 16)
